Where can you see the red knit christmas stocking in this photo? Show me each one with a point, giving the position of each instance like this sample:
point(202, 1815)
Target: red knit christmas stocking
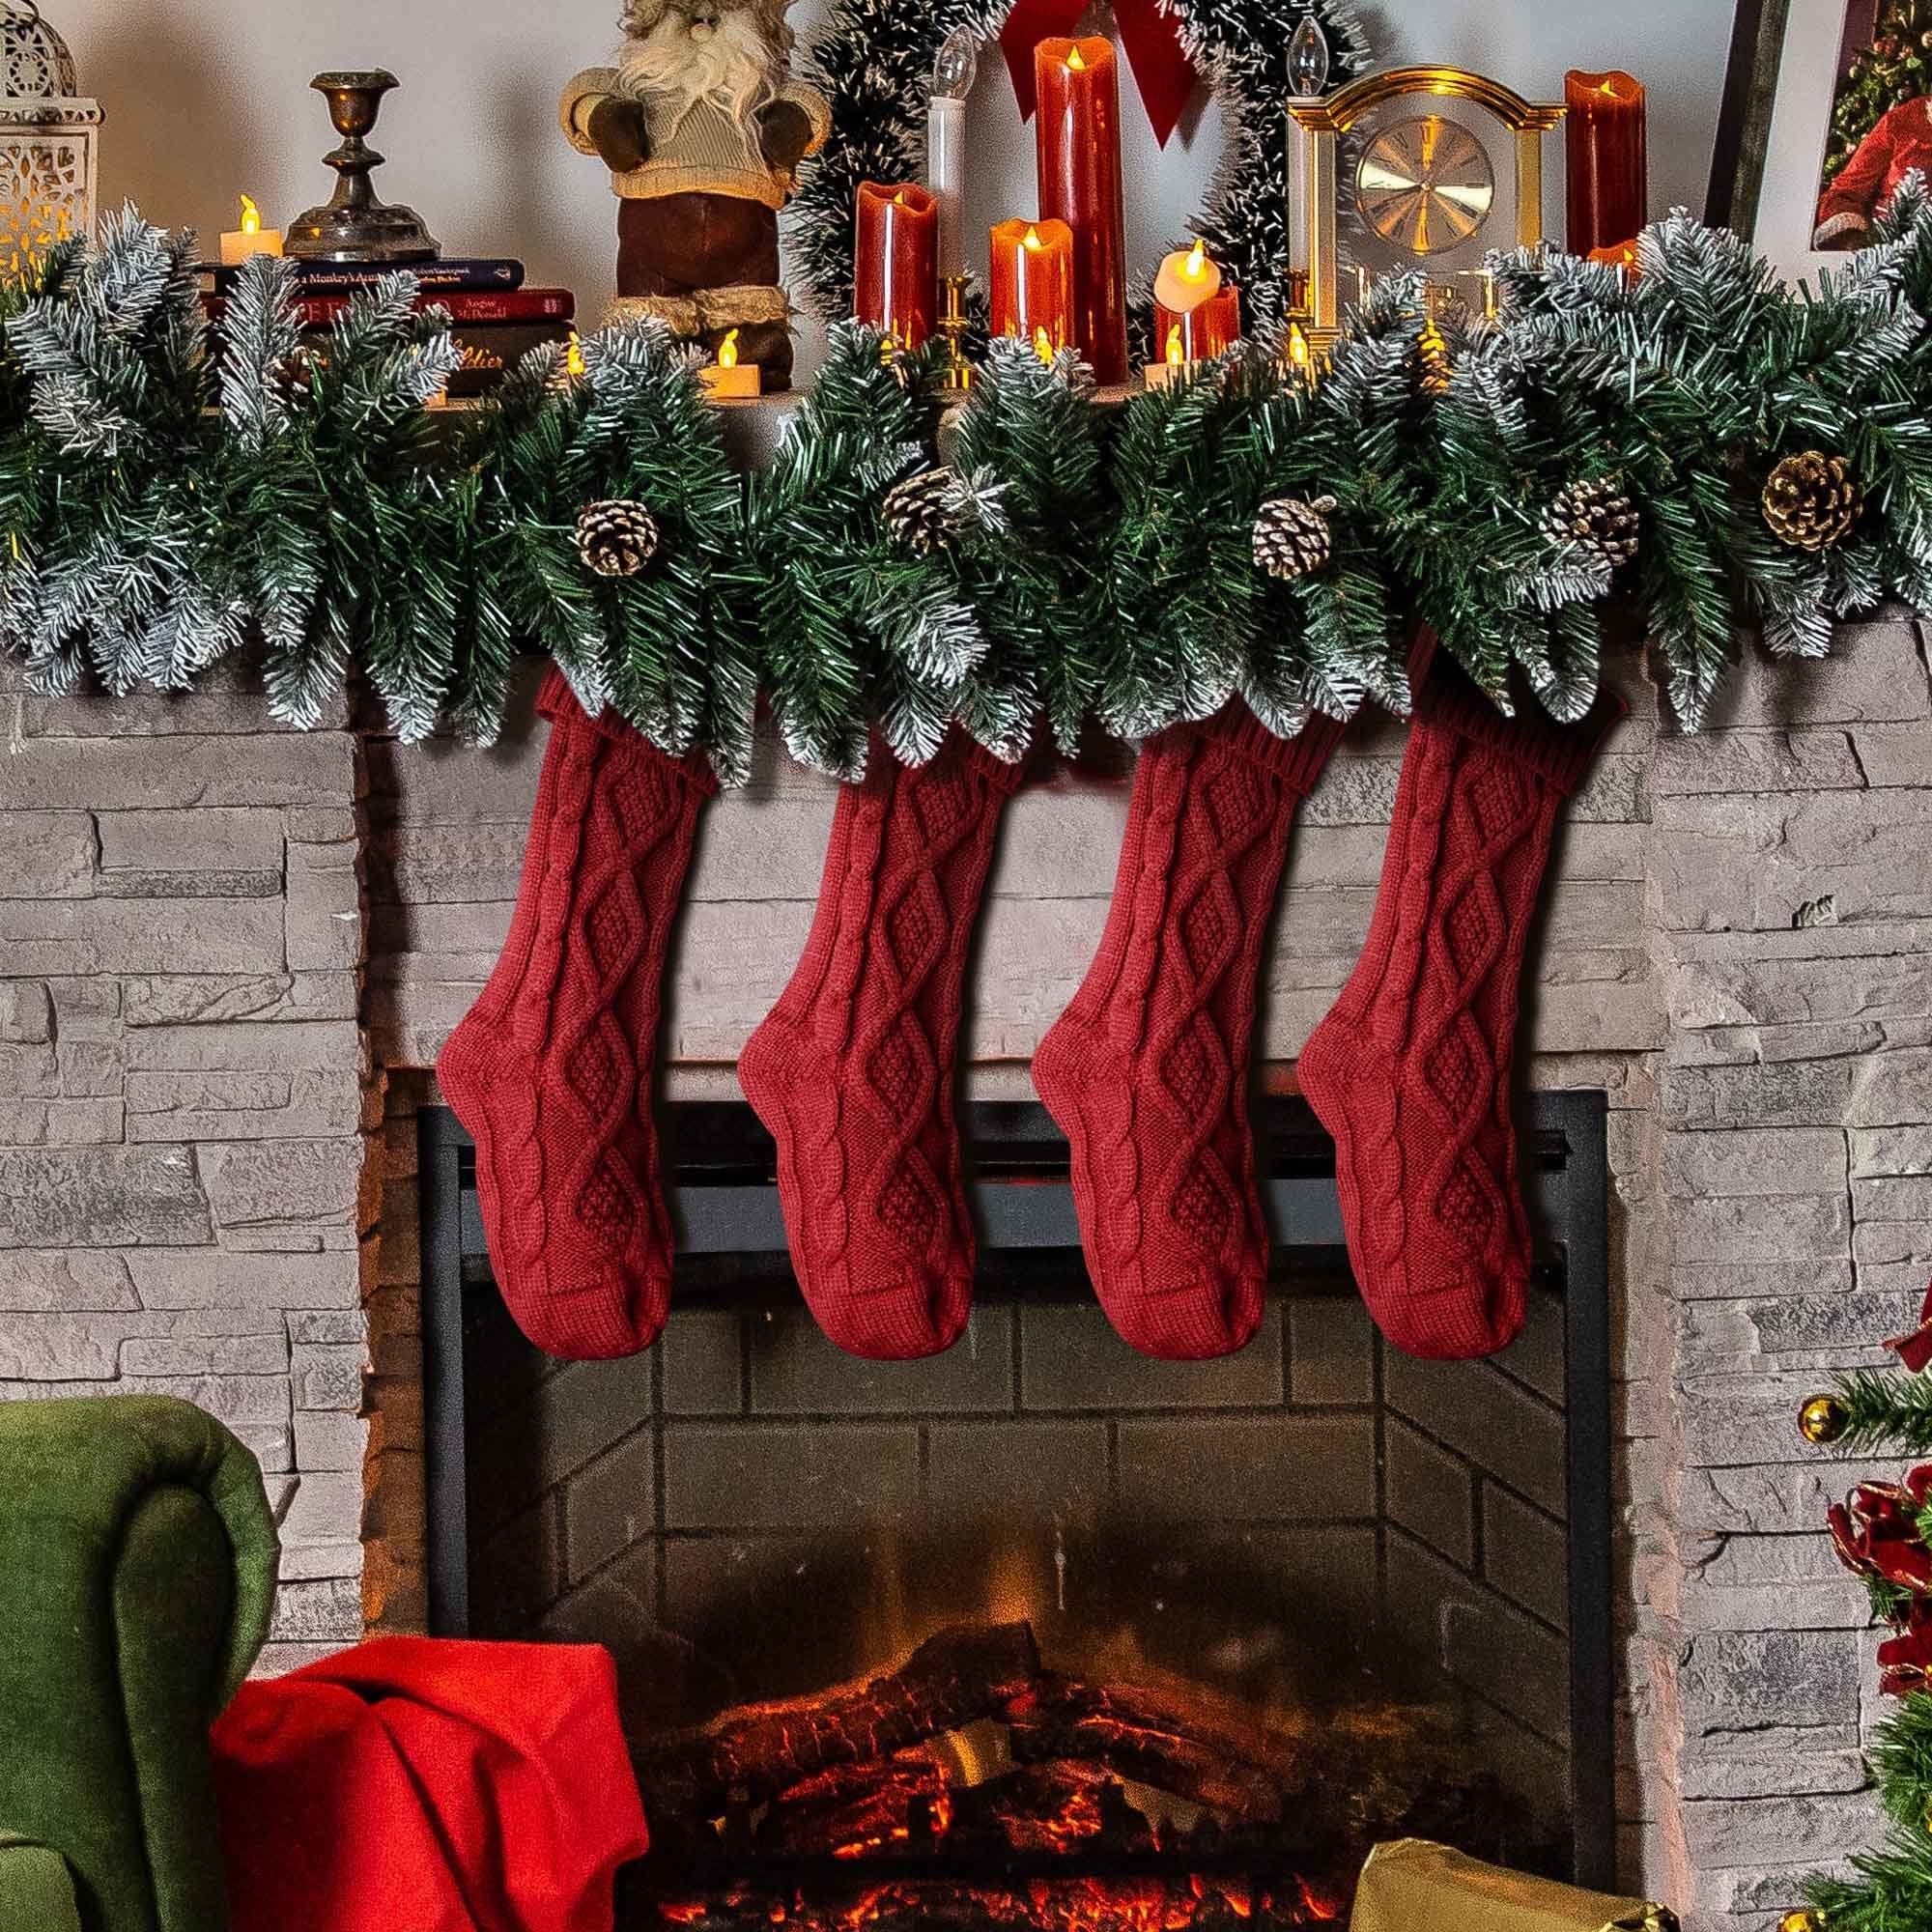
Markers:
point(1411, 1072)
point(853, 1069)
point(1146, 1072)
point(551, 1069)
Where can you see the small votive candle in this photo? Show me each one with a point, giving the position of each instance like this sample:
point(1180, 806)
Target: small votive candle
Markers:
point(730, 380)
point(1032, 281)
point(251, 239)
point(895, 278)
point(1187, 278)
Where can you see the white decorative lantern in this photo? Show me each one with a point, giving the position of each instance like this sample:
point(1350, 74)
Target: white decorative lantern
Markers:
point(49, 141)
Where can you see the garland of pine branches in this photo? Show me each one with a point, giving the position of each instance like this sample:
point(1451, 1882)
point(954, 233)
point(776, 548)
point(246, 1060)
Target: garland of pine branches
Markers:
point(163, 503)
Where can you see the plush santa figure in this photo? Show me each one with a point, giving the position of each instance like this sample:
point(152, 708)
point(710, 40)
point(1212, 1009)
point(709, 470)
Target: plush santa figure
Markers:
point(702, 127)
point(1901, 142)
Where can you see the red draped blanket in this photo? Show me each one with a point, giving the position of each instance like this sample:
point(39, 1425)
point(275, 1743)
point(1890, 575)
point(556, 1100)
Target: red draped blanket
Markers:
point(419, 1787)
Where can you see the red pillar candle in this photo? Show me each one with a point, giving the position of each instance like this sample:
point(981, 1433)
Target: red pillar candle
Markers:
point(896, 282)
point(1033, 282)
point(1609, 160)
point(1208, 329)
point(1079, 141)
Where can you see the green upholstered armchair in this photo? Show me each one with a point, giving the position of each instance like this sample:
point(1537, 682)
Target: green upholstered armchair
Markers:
point(137, 1575)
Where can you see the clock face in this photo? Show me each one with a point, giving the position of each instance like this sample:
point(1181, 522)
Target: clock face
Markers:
point(1425, 185)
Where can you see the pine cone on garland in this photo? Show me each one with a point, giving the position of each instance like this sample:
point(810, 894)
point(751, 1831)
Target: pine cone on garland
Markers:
point(918, 512)
point(1812, 500)
point(616, 538)
point(1598, 517)
point(1292, 538)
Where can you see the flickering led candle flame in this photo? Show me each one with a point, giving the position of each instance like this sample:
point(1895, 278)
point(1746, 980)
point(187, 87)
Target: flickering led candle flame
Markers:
point(1043, 347)
point(725, 379)
point(1033, 282)
point(1606, 137)
point(251, 239)
point(573, 356)
point(896, 273)
point(1078, 142)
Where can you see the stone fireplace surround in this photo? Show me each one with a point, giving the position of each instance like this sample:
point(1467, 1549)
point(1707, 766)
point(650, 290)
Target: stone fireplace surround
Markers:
point(229, 955)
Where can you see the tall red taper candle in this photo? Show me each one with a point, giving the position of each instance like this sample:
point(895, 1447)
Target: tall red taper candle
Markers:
point(1079, 140)
point(1609, 160)
point(895, 278)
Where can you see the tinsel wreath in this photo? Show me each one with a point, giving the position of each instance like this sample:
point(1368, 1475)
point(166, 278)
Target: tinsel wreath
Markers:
point(1703, 445)
point(874, 58)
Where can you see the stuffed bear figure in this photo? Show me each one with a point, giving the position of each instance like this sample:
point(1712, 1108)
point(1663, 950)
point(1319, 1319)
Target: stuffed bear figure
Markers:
point(701, 128)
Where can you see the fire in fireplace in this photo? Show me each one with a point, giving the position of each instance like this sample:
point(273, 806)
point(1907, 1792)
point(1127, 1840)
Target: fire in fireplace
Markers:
point(1042, 1636)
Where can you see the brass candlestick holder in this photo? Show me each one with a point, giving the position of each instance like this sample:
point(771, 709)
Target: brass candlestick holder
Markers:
point(953, 332)
point(355, 226)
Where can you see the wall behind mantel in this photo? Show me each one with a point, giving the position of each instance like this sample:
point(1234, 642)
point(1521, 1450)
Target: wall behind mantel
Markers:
point(207, 97)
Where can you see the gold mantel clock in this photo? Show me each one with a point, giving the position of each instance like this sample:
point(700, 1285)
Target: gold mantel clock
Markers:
point(1418, 168)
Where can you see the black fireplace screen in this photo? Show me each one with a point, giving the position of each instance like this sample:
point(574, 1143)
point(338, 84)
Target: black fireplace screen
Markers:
point(1213, 1572)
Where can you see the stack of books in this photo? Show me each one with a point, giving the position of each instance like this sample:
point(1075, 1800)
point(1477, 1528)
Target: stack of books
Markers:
point(495, 317)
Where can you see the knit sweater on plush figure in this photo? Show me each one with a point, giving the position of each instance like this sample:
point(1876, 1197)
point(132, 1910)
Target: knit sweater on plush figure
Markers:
point(704, 87)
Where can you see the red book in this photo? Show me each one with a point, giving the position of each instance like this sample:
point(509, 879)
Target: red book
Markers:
point(509, 305)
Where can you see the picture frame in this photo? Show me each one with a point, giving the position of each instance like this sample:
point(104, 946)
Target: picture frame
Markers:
point(1775, 123)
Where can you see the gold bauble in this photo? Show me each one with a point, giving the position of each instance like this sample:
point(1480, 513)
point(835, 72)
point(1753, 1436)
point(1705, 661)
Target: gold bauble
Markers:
point(1823, 1420)
point(1804, 1919)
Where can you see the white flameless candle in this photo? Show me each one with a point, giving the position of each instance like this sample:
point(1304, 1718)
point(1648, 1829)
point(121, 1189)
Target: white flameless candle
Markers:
point(952, 78)
point(250, 239)
point(1187, 278)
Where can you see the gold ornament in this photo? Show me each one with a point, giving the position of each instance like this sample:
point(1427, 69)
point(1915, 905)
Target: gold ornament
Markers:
point(1432, 351)
point(1804, 1919)
point(1812, 500)
point(1823, 1420)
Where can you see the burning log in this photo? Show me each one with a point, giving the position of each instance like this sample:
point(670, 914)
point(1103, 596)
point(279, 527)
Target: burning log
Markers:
point(859, 1810)
point(1051, 1808)
point(968, 1671)
point(1187, 1744)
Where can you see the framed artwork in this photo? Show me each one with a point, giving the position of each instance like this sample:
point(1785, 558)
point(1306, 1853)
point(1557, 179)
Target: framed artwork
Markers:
point(1828, 104)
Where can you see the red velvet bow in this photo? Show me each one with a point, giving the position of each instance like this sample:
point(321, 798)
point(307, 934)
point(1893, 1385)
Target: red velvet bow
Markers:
point(1166, 76)
point(1915, 1350)
point(1905, 1661)
point(1876, 1531)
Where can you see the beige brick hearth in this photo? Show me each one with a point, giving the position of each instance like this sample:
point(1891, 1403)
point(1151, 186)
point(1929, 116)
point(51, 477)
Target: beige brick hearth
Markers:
point(228, 953)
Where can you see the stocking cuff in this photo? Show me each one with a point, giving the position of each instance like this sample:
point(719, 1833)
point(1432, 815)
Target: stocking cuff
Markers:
point(962, 746)
point(1297, 762)
point(555, 701)
point(1561, 754)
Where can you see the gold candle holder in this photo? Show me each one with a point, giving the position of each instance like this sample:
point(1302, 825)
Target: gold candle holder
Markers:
point(953, 332)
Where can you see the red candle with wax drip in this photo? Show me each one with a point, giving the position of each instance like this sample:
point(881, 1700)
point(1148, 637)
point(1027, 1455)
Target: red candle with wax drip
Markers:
point(895, 278)
point(1608, 168)
point(1032, 283)
point(1079, 146)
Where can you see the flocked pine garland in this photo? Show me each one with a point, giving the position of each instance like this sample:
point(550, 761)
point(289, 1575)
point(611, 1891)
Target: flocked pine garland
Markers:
point(874, 61)
point(1703, 445)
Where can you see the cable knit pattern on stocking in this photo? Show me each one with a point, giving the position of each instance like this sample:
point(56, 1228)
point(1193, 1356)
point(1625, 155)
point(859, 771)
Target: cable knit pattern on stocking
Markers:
point(550, 1070)
point(1410, 1070)
point(1146, 1072)
point(853, 1071)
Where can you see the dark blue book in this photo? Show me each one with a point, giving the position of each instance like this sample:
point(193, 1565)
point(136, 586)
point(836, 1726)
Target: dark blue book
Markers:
point(480, 276)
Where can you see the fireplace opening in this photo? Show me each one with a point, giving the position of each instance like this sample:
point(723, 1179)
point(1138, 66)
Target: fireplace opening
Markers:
point(1040, 1634)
